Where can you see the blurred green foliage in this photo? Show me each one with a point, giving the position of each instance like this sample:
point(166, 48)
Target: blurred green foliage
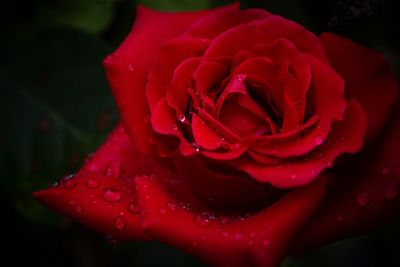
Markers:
point(55, 108)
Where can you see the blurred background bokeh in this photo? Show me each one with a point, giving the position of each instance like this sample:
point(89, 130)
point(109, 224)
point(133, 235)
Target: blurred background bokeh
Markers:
point(55, 108)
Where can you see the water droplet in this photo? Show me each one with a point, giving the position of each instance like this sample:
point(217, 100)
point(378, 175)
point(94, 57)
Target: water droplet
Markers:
point(185, 206)
point(119, 223)
point(163, 211)
point(265, 243)
point(78, 209)
point(238, 237)
point(226, 221)
point(70, 184)
point(131, 68)
point(392, 189)
point(196, 147)
point(181, 117)
point(293, 176)
point(363, 199)
point(91, 183)
point(318, 140)
point(171, 206)
point(93, 167)
point(134, 208)
point(175, 127)
point(203, 219)
point(111, 195)
point(55, 184)
point(386, 170)
point(252, 234)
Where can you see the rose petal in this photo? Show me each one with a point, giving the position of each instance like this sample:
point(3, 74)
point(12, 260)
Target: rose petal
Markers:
point(368, 78)
point(259, 240)
point(171, 56)
point(127, 68)
point(204, 135)
point(178, 95)
point(164, 121)
point(85, 198)
point(346, 136)
point(246, 36)
point(211, 26)
point(366, 194)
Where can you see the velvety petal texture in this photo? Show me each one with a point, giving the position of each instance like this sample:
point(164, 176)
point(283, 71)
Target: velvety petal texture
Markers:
point(233, 125)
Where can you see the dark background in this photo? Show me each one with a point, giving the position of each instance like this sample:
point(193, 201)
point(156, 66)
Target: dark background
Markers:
point(55, 108)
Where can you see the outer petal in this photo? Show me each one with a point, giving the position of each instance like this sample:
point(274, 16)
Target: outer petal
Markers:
point(346, 136)
point(259, 240)
point(101, 195)
point(366, 195)
point(367, 76)
point(128, 67)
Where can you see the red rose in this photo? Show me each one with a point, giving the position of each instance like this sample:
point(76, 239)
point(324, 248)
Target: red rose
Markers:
point(232, 123)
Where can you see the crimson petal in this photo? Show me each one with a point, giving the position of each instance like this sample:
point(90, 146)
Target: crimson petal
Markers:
point(102, 195)
point(366, 195)
point(128, 67)
point(259, 240)
point(368, 78)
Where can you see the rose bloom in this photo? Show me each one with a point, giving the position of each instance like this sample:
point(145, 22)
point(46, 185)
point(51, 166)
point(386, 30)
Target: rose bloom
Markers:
point(244, 138)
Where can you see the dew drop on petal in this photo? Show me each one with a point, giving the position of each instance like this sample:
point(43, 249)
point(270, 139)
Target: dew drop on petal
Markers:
point(131, 68)
point(226, 221)
point(318, 140)
point(392, 189)
point(265, 243)
point(92, 183)
point(171, 206)
point(293, 176)
point(133, 208)
point(111, 195)
point(175, 127)
point(181, 117)
point(94, 167)
point(70, 184)
point(201, 220)
point(238, 237)
point(363, 199)
point(196, 147)
point(119, 223)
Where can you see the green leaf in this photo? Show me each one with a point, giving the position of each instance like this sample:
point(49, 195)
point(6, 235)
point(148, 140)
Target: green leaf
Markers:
point(175, 5)
point(92, 16)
